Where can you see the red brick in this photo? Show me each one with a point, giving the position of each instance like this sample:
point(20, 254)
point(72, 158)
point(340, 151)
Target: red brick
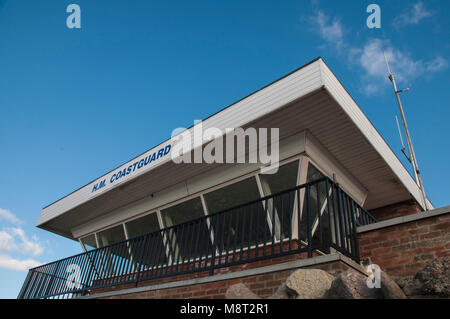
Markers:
point(381, 251)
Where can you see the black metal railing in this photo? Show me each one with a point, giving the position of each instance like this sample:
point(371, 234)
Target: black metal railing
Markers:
point(310, 219)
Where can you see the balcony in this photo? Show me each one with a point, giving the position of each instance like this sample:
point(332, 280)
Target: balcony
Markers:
point(314, 218)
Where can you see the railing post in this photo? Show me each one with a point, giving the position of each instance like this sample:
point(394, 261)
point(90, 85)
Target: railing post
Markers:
point(25, 285)
point(138, 271)
point(355, 233)
point(214, 247)
point(308, 221)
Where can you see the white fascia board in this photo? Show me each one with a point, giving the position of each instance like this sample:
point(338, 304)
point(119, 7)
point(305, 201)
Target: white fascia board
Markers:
point(295, 85)
point(343, 98)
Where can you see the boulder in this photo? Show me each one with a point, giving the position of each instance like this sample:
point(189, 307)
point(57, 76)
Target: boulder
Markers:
point(389, 288)
point(309, 283)
point(351, 284)
point(240, 291)
point(433, 280)
point(282, 293)
point(409, 285)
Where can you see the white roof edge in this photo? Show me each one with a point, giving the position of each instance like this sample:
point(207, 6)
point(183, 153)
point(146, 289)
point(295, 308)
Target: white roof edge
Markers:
point(287, 89)
point(351, 108)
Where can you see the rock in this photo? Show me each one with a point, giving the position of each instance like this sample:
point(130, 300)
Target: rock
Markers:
point(240, 291)
point(351, 284)
point(390, 289)
point(434, 279)
point(309, 283)
point(282, 293)
point(409, 285)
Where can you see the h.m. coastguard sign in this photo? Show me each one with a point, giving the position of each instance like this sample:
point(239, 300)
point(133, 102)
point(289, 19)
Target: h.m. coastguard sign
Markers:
point(133, 168)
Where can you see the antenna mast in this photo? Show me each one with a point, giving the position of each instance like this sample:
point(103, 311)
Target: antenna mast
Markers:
point(412, 157)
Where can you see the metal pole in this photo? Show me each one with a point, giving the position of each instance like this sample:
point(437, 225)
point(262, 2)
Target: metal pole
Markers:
point(408, 137)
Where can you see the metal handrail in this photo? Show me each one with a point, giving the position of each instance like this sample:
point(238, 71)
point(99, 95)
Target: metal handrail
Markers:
point(316, 216)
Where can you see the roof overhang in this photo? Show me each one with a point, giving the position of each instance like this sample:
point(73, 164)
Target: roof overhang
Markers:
point(310, 98)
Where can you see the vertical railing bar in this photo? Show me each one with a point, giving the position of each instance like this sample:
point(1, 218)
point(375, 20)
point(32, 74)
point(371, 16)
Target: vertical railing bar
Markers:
point(346, 221)
point(355, 233)
point(222, 246)
point(149, 251)
point(230, 217)
point(179, 246)
point(187, 242)
point(139, 260)
point(155, 247)
point(257, 231)
point(252, 212)
point(299, 221)
point(214, 248)
point(319, 214)
point(291, 215)
point(236, 234)
point(25, 285)
point(308, 220)
point(330, 227)
point(191, 259)
point(266, 221)
point(244, 212)
point(42, 281)
point(197, 253)
point(172, 252)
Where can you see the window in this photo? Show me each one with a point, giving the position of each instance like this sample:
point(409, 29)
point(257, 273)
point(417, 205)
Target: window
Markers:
point(241, 226)
point(155, 253)
point(183, 212)
point(191, 239)
point(143, 225)
point(281, 207)
point(89, 242)
point(318, 209)
point(111, 236)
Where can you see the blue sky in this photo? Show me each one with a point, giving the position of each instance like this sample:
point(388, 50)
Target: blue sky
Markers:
point(76, 103)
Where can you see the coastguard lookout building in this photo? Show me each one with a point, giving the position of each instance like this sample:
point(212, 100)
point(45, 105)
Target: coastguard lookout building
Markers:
point(153, 225)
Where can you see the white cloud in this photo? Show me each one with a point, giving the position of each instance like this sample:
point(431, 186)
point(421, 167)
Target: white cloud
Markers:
point(417, 13)
point(370, 58)
point(16, 264)
point(405, 68)
point(329, 29)
point(436, 65)
point(9, 217)
point(17, 250)
point(15, 240)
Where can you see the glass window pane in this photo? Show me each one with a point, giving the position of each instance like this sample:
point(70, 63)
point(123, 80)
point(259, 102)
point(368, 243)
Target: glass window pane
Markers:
point(89, 242)
point(318, 207)
point(111, 236)
point(189, 239)
point(285, 178)
point(112, 256)
point(232, 195)
point(243, 226)
point(281, 207)
point(155, 254)
point(183, 212)
point(143, 225)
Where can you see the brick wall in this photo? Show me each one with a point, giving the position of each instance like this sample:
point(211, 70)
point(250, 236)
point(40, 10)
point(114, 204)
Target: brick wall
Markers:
point(403, 249)
point(396, 210)
point(264, 285)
